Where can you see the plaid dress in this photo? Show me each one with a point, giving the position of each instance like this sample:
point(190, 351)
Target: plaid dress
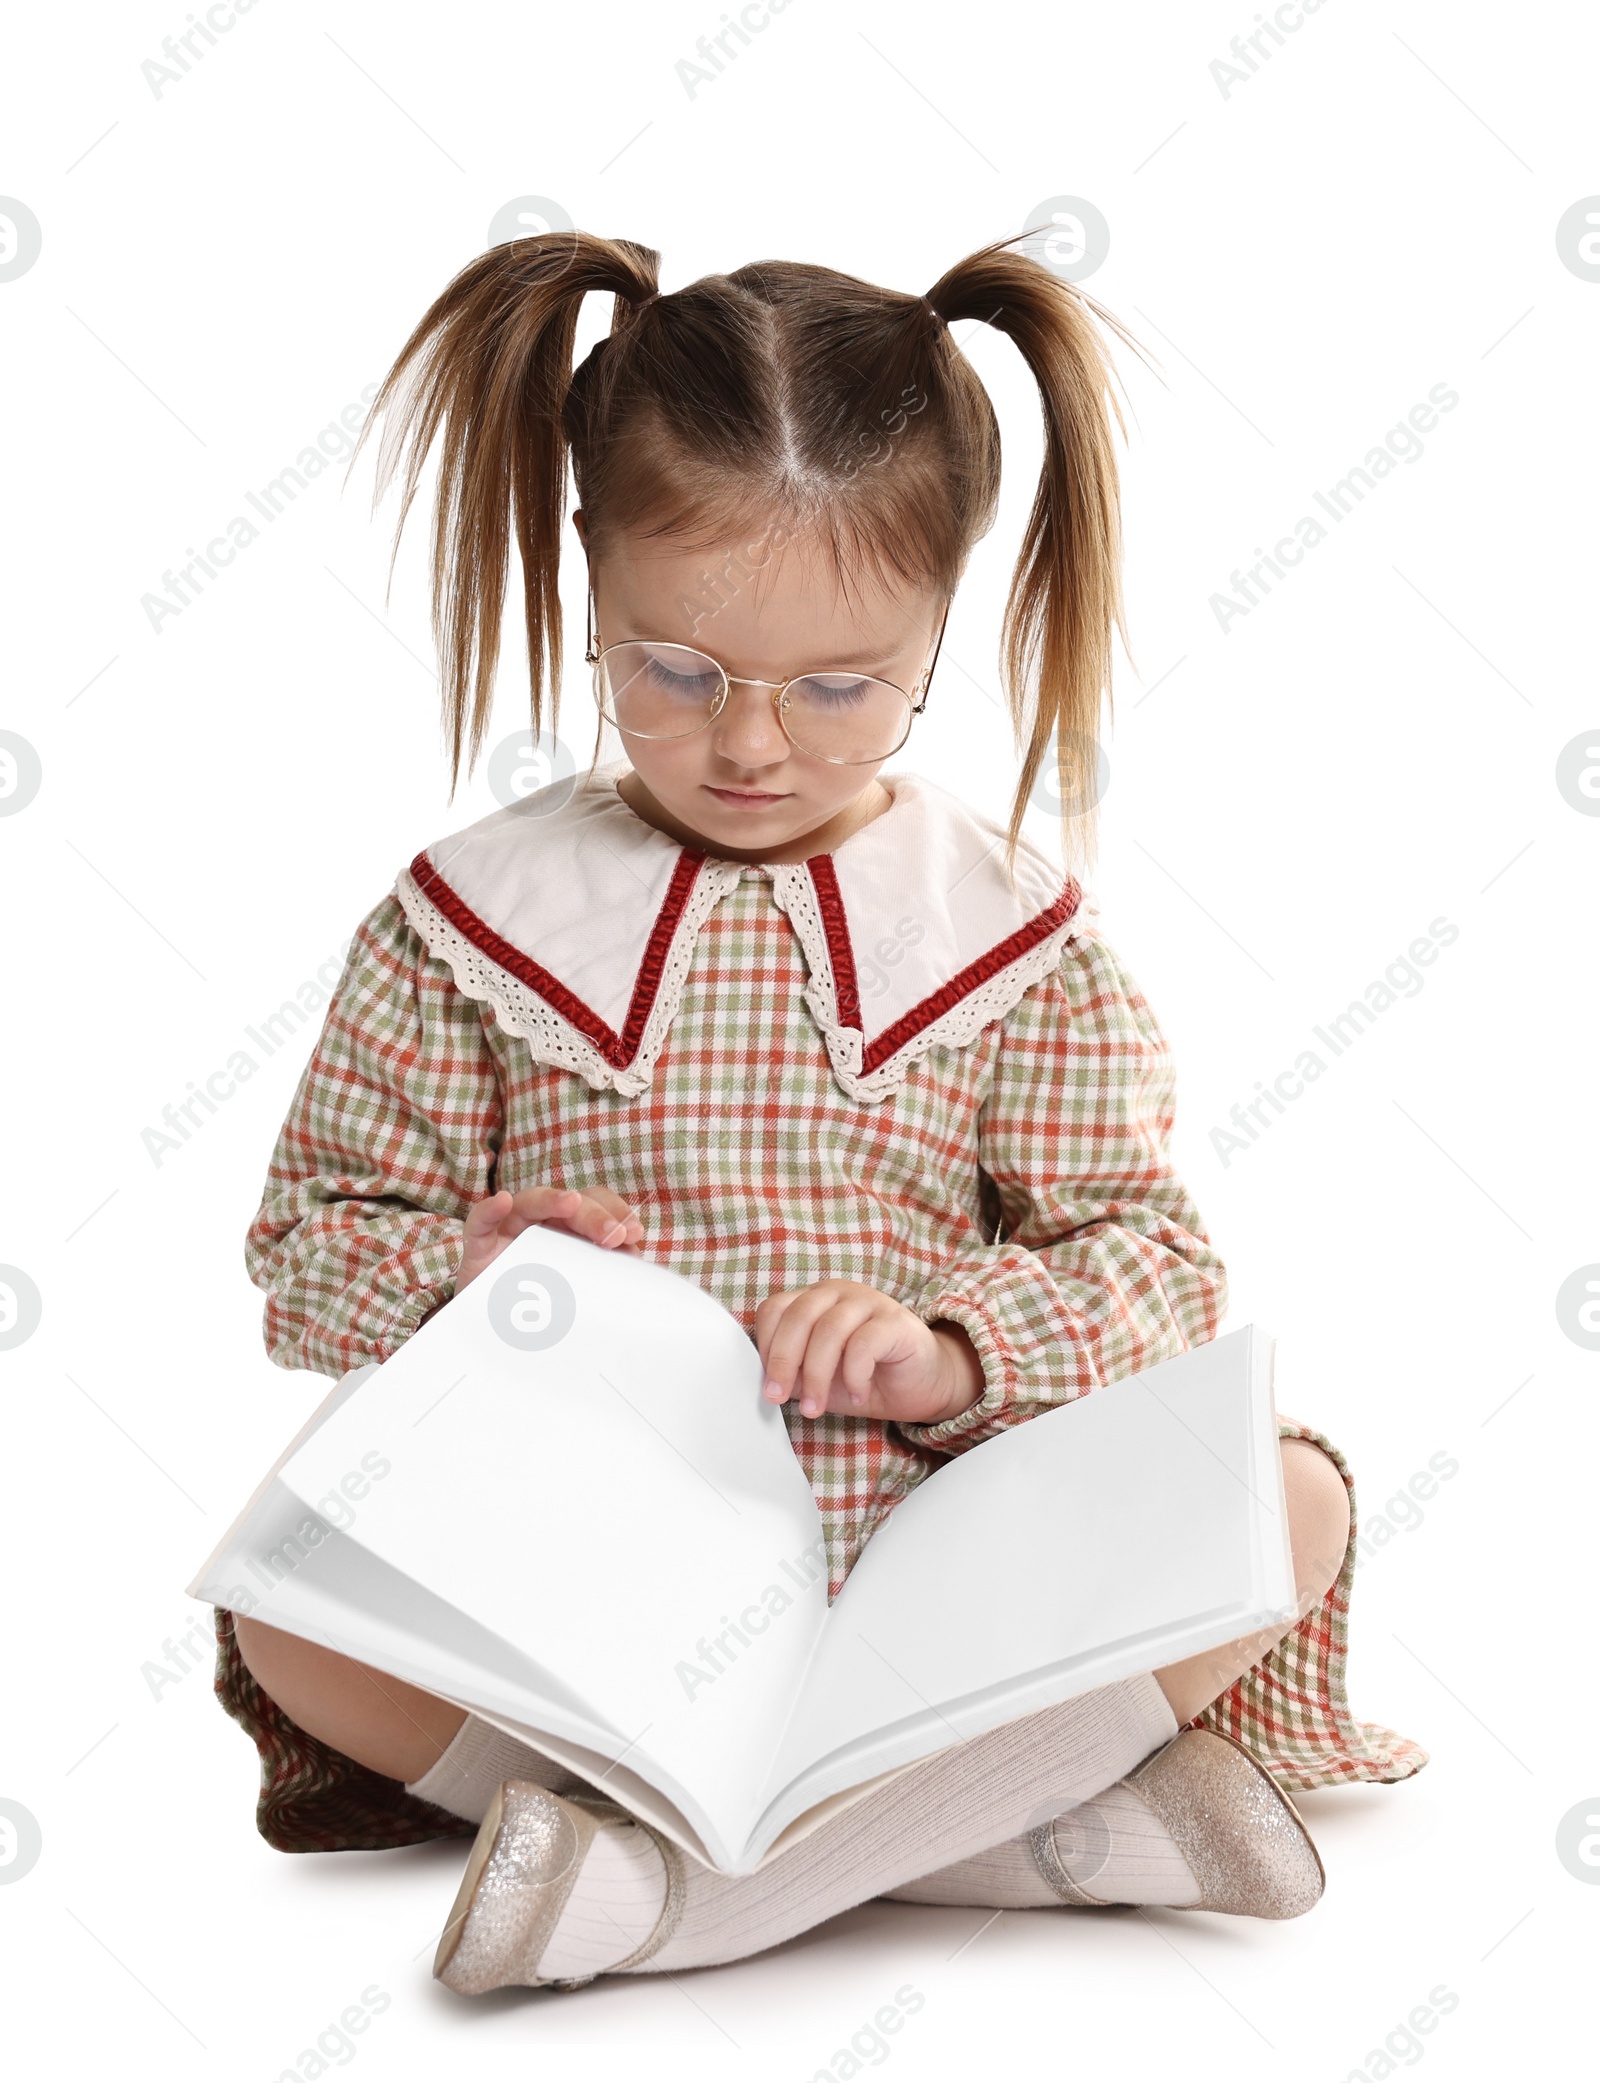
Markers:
point(990, 1151)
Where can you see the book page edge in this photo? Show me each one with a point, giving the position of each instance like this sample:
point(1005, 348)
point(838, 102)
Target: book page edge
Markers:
point(342, 1388)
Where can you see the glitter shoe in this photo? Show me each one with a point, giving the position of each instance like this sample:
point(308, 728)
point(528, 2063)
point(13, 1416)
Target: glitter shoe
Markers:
point(1240, 1835)
point(524, 1863)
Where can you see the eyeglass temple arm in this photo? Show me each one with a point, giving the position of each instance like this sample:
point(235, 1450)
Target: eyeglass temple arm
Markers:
point(922, 692)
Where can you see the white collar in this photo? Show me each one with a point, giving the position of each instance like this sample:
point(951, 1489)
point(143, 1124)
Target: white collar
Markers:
point(577, 921)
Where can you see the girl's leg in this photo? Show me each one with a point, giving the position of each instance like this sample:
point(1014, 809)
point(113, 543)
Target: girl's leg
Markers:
point(379, 1721)
point(1115, 1847)
point(455, 1760)
point(943, 1807)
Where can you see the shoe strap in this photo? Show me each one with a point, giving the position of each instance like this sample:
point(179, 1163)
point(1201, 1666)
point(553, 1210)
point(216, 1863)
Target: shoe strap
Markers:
point(671, 1909)
point(1055, 1876)
point(677, 1885)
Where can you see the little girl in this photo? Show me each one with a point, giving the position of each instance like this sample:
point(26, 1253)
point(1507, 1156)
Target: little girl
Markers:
point(824, 1040)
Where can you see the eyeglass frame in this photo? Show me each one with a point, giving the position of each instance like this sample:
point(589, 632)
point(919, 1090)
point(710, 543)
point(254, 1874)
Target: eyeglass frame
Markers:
point(915, 703)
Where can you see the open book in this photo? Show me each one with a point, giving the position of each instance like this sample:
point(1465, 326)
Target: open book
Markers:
point(565, 1505)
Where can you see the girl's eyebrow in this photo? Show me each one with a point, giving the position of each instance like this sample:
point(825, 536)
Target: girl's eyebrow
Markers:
point(835, 664)
point(858, 662)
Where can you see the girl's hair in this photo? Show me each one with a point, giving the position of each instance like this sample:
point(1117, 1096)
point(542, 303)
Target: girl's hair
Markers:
point(781, 400)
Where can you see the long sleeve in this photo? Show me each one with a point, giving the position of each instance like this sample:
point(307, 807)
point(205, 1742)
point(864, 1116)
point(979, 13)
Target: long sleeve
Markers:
point(392, 1136)
point(1104, 1267)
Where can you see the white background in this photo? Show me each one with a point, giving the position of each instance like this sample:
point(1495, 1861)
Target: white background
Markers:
point(227, 264)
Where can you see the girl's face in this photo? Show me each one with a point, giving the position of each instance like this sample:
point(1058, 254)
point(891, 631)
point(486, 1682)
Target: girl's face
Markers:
point(737, 787)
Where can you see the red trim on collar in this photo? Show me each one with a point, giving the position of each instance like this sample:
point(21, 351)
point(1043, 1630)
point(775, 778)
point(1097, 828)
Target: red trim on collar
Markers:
point(618, 1050)
point(830, 902)
point(841, 955)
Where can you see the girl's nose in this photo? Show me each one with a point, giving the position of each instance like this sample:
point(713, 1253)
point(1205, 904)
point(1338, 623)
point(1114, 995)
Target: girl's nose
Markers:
point(746, 730)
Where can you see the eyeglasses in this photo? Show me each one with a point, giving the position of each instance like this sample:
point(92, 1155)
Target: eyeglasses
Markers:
point(650, 688)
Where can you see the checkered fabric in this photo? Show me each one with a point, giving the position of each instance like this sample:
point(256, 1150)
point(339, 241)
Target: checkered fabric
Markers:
point(1019, 1186)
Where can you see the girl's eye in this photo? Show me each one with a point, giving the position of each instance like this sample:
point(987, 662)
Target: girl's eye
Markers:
point(700, 686)
point(833, 690)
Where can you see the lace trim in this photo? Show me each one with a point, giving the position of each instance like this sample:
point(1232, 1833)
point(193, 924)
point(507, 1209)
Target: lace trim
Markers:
point(622, 1063)
point(561, 1030)
point(992, 995)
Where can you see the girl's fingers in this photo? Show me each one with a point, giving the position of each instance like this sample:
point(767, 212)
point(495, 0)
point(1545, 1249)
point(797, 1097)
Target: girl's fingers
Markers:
point(800, 1336)
point(767, 1317)
point(858, 1363)
point(482, 1238)
point(782, 1325)
point(484, 1216)
point(625, 1227)
point(783, 1330)
point(844, 1336)
point(824, 1349)
point(599, 1223)
point(601, 1215)
point(597, 1213)
point(539, 1204)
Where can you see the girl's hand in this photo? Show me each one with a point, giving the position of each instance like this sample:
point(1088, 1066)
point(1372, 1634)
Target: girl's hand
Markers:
point(598, 1214)
point(844, 1347)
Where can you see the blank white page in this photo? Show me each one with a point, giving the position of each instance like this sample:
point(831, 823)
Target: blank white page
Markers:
point(605, 1504)
point(1139, 1524)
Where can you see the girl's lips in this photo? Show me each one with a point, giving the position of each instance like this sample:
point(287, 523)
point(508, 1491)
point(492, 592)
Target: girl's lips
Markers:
point(753, 799)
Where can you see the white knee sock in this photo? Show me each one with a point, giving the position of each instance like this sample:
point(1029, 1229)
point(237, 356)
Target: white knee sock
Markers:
point(1112, 1846)
point(472, 1765)
point(945, 1808)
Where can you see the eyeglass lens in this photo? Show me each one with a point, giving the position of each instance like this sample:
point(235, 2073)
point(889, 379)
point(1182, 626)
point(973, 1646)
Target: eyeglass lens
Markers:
point(668, 691)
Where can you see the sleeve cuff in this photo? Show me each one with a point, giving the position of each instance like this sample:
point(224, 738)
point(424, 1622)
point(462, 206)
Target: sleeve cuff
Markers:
point(431, 1282)
point(366, 1319)
point(1006, 1301)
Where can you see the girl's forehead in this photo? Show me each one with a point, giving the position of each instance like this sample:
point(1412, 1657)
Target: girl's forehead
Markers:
point(745, 585)
point(773, 623)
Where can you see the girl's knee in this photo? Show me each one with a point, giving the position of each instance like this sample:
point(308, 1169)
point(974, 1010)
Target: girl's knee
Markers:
point(256, 1641)
point(284, 1664)
point(265, 1652)
point(391, 1727)
point(1319, 1515)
